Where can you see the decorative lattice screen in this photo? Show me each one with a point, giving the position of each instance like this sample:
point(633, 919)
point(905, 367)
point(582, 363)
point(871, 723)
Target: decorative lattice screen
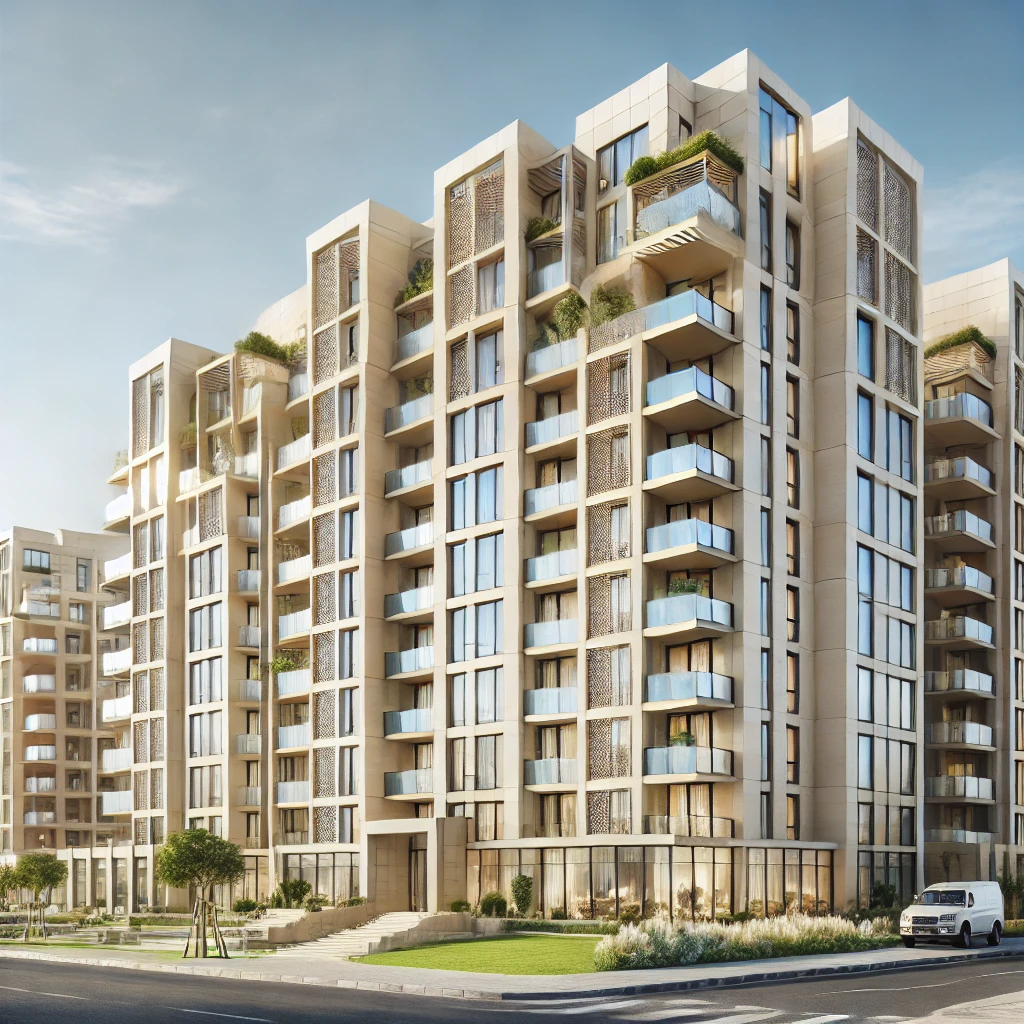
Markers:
point(326, 822)
point(325, 354)
point(324, 418)
point(140, 643)
point(325, 661)
point(141, 688)
point(867, 264)
point(141, 587)
point(325, 772)
point(157, 690)
point(156, 639)
point(156, 789)
point(602, 546)
point(461, 380)
point(462, 296)
point(324, 480)
point(899, 292)
point(460, 223)
point(348, 269)
point(324, 589)
point(608, 460)
point(326, 288)
point(211, 522)
point(489, 207)
point(141, 743)
point(900, 366)
point(899, 212)
point(156, 739)
point(140, 782)
point(324, 715)
point(598, 812)
point(156, 590)
point(140, 417)
point(608, 388)
point(867, 185)
point(324, 539)
point(141, 828)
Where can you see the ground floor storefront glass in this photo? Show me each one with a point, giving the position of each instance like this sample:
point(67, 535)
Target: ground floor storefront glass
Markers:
point(253, 885)
point(882, 868)
point(781, 881)
point(334, 875)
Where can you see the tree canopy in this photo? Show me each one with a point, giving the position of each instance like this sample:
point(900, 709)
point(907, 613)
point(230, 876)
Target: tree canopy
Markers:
point(40, 872)
point(199, 858)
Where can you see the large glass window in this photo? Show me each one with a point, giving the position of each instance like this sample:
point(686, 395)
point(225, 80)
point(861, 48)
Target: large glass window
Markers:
point(865, 426)
point(615, 159)
point(865, 347)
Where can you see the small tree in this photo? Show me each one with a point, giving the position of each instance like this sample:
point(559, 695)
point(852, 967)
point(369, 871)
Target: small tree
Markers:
point(522, 893)
point(202, 860)
point(293, 891)
point(8, 882)
point(40, 873)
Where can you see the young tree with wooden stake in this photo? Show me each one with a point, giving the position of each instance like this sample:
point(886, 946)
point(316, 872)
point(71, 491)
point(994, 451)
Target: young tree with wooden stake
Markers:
point(39, 872)
point(200, 859)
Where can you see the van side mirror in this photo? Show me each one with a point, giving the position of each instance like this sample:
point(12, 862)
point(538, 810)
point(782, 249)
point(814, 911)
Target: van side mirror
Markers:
point(970, 900)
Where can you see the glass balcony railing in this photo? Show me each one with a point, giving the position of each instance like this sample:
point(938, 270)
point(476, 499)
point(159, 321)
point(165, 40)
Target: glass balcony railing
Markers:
point(39, 645)
point(956, 835)
point(294, 792)
point(408, 783)
point(413, 720)
point(249, 690)
point(414, 659)
point(119, 508)
point(247, 580)
point(294, 512)
point(691, 381)
point(683, 760)
point(551, 700)
point(958, 469)
point(409, 540)
point(113, 710)
point(550, 771)
point(552, 566)
point(297, 680)
point(962, 406)
point(661, 314)
point(680, 608)
point(687, 458)
point(248, 465)
point(248, 796)
point(973, 733)
point(399, 416)
point(543, 634)
point(408, 601)
point(414, 342)
point(540, 499)
point(249, 527)
point(248, 743)
point(958, 627)
point(40, 723)
point(118, 567)
point(293, 735)
point(298, 385)
point(959, 576)
point(115, 615)
point(543, 279)
point(192, 478)
point(40, 784)
point(693, 826)
point(551, 429)
point(296, 451)
point(966, 787)
point(295, 623)
point(687, 532)
point(687, 686)
point(552, 357)
point(961, 521)
point(40, 817)
point(118, 802)
point(407, 476)
point(248, 636)
point(967, 680)
point(41, 753)
point(118, 759)
point(116, 662)
point(39, 684)
point(294, 569)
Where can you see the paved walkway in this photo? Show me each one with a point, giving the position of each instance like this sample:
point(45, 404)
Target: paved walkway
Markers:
point(338, 973)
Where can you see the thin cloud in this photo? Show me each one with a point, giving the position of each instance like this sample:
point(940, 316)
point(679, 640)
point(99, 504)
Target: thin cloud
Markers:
point(85, 213)
point(977, 221)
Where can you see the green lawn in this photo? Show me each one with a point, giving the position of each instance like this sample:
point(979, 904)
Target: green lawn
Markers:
point(510, 954)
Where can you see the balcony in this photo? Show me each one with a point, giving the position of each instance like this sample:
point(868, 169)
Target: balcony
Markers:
point(411, 418)
point(249, 636)
point(250, 690)
point(117, 512)
point(116, 759)
point(248, 796)
point(42, 752)
point(247, 581)
point(415, 662)
point(688, 617)
point(399, 785)
point(290, 736)
point(959, 419)
point(295, 570)
point(295, 624)
point(115, 615)
point(40, 817)
point(554, 363)
point(249, 527)
point(686, 763)
point(291, 455)
point(118, 802)
point(297, 681)
point(39, 645)
point(958, 586)
point(958, 631)
point(116, 710)
point(547, 433)
point(689, 400)
point(248, 743)
point(556, 502)
point(414, 343)
point(546, 278)
point(687, 326)
point(117, 568)
point(40, 784)
point(959, 735)
point(550, 773)
point(958, 479)
point(959, 788)
point(958, 531)
point(963, 682)
point(40, 609)
point(552, 568)
point(190, 538)
point(956, 835)
point(39, 684)
point(666, 690)
point(117, 663)
point(551, 701)
point(298, 386)
point(251, 398)
point(294, 513)
point(409, 482)
point(415, 544)
point(248, 465)
point(410, 605)
point(689, 544)
point(559, 633)
point(296, 792)
point(689, 472)
point(414, 724)
point(693, 826)
point(192, 479)
point(40, 723)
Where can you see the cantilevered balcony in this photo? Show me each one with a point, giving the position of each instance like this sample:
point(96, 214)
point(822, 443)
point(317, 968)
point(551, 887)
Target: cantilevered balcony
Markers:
point(958, 531)
point(40, 784)
point(41, 752)
point(118, 802)
point(250, 691)
point(550, 774)
point(959, 735)
point(414, 545)
point(551, 569)
point(294, 571)
point(39, 645)
point(555, 364)
point(959, 586)
point(193, 478)
point(416, 605)
point(293, 792)
point(555, 502)
point(294, 624)
point(291, 737)
point(689, 472)
point(689, 400)
point(116, 710)
point(294, 683)
point(408, 784)
point(413, 343)
point(298, 386)
point(686, 764)
point(551, 702)
point(40, 817)
point(558, 633)
point(117, 663)
point(555, 435)
point(248, 743)
point(249, 636)
point(959, 419)
point(689, 544)
point(40, 723)
point(956, 835)
point(959, 789)
point(412, 663)
point(958, 632)
point(247, 581)
point(693, 826)
point(412, 725)
point(409, 482)
point(248, 796)
point(665, 691)
point(411, 420)
point(117, 513)
point(294, 514)
point(958, 479)
point(248, 465)
point(249, 527)
point(115, 615)
point(117, 568)
point(39, 684)
point(116, 759)
point(966, 683)
point(686, 617)
point(293, 454)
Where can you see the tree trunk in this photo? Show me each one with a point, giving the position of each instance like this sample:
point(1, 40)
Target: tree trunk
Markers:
point(201, 941)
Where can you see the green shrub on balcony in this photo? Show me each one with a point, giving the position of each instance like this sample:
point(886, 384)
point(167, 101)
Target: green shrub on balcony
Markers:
point(683, 739)
point(287, 663)
point(609, 303)
point(188, 436)
point(537, 226)
point(263, 345)
point(684, 586)
point(710, 142)
point(421, 280)
point(569, 316)
point(964, 336)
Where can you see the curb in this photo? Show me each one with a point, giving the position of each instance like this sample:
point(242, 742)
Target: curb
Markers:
point(758, 977)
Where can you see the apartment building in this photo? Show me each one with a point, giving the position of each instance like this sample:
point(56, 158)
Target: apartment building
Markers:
point(627, 602)
point(58, 617)
point(974, 582)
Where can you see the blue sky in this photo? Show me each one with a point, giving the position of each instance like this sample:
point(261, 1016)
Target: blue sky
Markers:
point(161, 164)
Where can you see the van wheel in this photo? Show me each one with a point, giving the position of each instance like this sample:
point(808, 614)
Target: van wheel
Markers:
point(909, 942)
point(996, 935)
point(963, 940)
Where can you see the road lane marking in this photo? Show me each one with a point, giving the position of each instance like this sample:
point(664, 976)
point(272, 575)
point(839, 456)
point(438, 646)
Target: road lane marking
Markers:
point(210, 1013)
point(595, 1007)
point(910, 988)
point(825, 1018)
point(668, 1014)
point(33, 992)
point(744, 1018)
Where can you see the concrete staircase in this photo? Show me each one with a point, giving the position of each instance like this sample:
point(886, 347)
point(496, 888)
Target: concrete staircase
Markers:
point(356, 941)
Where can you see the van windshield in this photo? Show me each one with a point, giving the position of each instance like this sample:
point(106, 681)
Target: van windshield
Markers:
point(943, 898)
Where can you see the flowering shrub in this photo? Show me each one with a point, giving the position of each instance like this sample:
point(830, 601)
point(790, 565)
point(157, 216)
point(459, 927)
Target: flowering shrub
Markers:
point(658, 942)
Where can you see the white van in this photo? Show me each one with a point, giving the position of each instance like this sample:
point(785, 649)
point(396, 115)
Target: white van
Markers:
point(955, 912)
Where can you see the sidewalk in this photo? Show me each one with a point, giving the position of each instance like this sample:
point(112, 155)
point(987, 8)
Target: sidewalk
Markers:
point(337, 973)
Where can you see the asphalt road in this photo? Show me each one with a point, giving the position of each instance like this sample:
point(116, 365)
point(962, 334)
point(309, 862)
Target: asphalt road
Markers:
point(40, 993)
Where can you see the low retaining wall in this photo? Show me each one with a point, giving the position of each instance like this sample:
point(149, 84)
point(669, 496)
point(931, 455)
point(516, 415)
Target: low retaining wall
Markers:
point(438, 928)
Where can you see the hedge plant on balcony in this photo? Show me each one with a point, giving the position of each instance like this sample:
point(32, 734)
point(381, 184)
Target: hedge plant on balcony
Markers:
point(263, 345)
point(569, 316)
point(684, 586)
point(537, 226)
point(421, 280)
point(964, 336)
point(287, 663)
point(188, 436)
point(609, 303)
point(710, 142)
